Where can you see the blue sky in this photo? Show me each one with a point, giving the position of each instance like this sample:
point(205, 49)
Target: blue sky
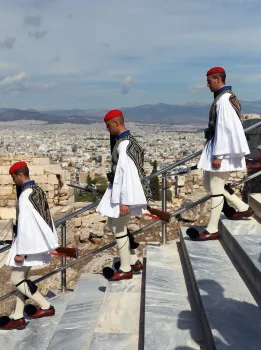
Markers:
point(62, 54)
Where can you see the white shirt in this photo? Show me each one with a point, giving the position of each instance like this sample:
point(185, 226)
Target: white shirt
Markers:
point(34, 237)
point(229, 143)
point(126, 189)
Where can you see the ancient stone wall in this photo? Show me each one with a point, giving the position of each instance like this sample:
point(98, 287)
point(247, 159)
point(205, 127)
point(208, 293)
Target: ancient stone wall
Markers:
point(50, 177)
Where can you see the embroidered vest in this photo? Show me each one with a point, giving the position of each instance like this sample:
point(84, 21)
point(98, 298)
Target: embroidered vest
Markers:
point(136, 153)
point(39, 201)
point(210, 131)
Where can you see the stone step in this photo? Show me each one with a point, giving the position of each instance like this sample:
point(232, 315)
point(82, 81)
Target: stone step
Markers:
point(230, 315)
point(243, 238)
point(254, 200)
point(38, 333)
point(77, 324)
point(170, 322)
point(119, 319)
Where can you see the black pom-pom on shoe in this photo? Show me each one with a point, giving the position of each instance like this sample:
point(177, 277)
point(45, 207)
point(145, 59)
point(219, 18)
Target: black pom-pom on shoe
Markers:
point(30, 309)
point(4, 320)
point(108, 272)
point(192, 233)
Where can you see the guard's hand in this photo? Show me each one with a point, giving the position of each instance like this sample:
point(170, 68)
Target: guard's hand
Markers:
point(216, 164)
point(124, 210)
point(19, 258)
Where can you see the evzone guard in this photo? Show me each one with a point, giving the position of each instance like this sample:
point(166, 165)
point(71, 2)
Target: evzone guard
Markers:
point(224, 152)
point(34, 241)
point(127, 194)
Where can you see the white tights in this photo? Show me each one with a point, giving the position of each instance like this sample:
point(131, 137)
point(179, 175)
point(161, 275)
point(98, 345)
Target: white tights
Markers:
point(214, 183)
point(127, 256)
point(19, 274)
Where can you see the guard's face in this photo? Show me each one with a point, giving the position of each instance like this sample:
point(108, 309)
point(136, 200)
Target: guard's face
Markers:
point(112, 127)
point(213, 83)
point(17, 179)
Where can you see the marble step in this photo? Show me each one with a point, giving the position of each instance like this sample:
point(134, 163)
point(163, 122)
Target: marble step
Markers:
point(38, 333)
point(254, 200)
point(243, 238)
point(118, 324)
point(77, 324)
point(230, 315)
point(170, 322)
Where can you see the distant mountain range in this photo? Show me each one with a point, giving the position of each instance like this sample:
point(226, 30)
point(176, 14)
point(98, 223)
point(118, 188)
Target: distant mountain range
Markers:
point(161, 113)
point(7, 115)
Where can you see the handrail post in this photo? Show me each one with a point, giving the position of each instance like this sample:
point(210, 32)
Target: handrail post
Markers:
point(164, 206)
point(176, 185)
point(63, 262)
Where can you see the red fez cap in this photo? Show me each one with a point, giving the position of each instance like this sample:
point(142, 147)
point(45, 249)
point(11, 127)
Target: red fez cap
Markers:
point(17, 166)
point(215, 70)
point(114, 113)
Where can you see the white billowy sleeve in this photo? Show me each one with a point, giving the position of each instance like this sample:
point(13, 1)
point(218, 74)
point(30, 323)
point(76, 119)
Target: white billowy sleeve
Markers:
point(34, 235)
point(230, 139)
point(127, 188)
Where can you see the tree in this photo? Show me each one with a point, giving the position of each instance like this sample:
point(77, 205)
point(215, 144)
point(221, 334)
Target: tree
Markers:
point(81, 196)
point(102, 184)
point(89, 180)
point(169, 193)
point(154, 183)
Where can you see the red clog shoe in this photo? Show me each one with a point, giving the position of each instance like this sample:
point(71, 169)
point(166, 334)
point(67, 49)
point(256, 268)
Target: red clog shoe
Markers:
point(33, 312)
point(205, 236)
point(242, 214)
point(194, 235)
point(7, 323)
point(137, 267)
point(119, 275)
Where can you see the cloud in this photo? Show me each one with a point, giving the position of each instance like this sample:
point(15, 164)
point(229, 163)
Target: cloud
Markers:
point(127, 85)
point(6, 66)
point(40, 87)
point(8, 44)
point(196, 87)
point(34, 21)
point(13, 83)
point(39, 34)
point(20, 83)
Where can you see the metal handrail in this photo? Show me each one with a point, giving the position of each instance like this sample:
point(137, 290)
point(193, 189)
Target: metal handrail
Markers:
point(107, 246)
point(174, 165)
point(191, 156)
point(159, 172)
point(76, 213)
point(64, 219)
point(6, 247)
